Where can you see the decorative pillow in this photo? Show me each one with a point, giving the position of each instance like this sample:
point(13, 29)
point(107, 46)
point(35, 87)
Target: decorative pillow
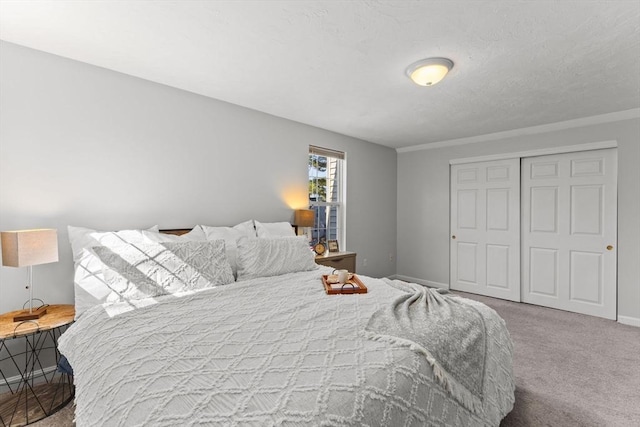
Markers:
point(273, 257)
point(247, 228)
point(230, 237)
point(89, 283)
point(145, 270)
point(274, 229)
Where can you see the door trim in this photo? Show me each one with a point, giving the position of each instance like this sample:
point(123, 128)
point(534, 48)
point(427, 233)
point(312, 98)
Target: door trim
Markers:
point(589, 146)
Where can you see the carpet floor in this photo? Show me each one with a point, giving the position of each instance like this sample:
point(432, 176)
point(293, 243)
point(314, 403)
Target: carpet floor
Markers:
point(571, 370)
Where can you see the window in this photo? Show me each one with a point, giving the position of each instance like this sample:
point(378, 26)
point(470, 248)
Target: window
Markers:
point(326, 194)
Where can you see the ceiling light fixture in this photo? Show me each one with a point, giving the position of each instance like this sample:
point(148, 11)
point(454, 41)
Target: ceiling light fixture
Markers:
point(428, 72)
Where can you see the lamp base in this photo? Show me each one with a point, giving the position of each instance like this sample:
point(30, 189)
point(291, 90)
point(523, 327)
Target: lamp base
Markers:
point(35, 314)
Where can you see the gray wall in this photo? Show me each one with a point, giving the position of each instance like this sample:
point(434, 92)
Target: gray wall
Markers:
point(423, 202)
point(86, 146)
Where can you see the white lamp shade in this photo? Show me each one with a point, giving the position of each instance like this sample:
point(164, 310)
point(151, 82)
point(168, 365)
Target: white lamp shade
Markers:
point(29, 247)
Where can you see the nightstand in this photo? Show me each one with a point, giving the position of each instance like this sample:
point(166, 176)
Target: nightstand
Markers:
point(31, 387)
point(338, 260)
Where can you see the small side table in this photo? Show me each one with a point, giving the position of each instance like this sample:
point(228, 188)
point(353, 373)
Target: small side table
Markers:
point(28, 346)
point(338, 260)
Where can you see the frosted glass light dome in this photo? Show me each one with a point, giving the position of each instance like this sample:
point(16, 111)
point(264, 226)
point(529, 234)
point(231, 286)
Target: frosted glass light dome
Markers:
point(428, 72)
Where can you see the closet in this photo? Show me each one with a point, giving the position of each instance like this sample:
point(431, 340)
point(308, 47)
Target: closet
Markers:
point(538, 229)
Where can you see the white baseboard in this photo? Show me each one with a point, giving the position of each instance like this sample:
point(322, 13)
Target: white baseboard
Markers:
point(16, 379)
point(628, 320)
point(422, 282)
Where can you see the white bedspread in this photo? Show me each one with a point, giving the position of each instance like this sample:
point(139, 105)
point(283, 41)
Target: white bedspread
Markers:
point(269, 351)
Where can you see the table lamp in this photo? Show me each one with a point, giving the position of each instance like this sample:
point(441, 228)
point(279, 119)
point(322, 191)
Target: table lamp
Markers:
point(26, 248)
point(303, 218)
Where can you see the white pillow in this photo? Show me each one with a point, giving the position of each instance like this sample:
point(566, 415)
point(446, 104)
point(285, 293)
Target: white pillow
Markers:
point(138, 271)
point(273, 257)
point(274, 229)
point(196, 234)
point(89, 284)
point(230, 237)
point(84, 238)
point(247, 228)
point(90, 287)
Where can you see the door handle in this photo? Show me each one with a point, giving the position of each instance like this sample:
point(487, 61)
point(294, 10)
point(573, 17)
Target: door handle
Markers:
point(609, 248)
point(453, 237)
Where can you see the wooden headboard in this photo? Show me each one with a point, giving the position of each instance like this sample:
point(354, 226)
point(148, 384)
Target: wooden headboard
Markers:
point(177, 231)
point(181, 231)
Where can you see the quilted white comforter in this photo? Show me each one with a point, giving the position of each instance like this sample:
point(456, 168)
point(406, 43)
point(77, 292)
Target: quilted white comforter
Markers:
point(269, 351)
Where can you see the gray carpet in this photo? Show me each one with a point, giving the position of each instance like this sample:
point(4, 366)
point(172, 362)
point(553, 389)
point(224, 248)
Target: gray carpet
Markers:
point(571, 370)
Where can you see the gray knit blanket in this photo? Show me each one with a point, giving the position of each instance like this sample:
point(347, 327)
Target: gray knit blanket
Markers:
point(450, 334)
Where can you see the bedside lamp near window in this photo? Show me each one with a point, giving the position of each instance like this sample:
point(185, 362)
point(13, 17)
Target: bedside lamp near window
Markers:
point(303, 218)
point(26, 248)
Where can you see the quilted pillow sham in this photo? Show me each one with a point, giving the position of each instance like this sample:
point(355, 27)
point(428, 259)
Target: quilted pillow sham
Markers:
point(273, 257)
point(90, 286)
point(138, 271)
point(230, 235)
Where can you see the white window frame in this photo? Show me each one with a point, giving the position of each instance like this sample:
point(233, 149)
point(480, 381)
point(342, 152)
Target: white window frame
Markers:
point(342, 191)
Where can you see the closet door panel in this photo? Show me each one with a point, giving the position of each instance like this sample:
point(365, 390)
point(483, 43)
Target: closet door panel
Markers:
point(485, 228)
point(569, 208)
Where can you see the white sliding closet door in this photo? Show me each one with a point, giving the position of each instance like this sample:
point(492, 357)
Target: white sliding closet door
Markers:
point(569, 232)
point(485, 228)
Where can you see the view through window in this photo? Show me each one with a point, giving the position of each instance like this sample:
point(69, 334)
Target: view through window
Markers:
point(326, 194)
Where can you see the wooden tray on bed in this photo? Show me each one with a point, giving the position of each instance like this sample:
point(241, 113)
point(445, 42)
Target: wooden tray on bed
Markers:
point(357, 288)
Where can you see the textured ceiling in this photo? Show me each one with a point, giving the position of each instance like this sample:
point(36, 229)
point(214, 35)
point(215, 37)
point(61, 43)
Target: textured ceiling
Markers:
point(339, 65)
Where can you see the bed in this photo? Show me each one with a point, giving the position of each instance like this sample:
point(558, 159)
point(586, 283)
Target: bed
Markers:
point(270, 347)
